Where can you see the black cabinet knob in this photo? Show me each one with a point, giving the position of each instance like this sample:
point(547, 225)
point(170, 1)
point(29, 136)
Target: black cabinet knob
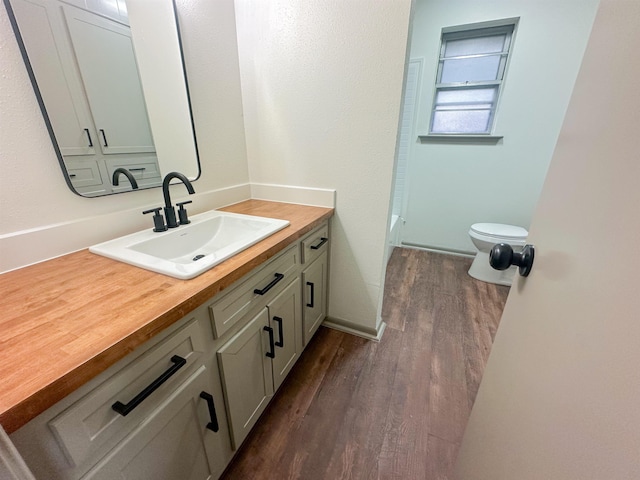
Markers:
point(502, 257)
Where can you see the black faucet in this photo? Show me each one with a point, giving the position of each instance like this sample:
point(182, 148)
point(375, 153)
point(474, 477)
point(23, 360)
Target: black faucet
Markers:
point(169, 211)
point(126, 173)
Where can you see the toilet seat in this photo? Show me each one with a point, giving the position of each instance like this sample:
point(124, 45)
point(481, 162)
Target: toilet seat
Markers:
point(499, 230)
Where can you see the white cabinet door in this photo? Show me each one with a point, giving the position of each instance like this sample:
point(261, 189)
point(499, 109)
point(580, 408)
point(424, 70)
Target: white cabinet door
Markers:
point(255, 361)
point(247, 377)
point(44, 35)
point(106, 59)
point(314, 298)
point(173, 442)
point(284, 319)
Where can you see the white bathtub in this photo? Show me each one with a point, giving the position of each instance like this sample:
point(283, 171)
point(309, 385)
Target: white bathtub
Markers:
point(394, 234)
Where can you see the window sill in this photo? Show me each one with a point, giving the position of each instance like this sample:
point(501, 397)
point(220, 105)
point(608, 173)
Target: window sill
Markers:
point(462, 139)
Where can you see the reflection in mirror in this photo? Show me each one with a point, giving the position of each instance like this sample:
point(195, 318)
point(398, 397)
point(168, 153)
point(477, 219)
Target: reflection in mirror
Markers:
point(110, 81)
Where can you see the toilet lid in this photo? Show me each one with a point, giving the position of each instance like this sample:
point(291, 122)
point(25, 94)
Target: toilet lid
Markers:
point(499, 230)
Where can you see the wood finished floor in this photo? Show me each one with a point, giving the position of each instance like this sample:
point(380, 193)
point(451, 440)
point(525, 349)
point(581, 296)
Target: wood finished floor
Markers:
point(357, 409)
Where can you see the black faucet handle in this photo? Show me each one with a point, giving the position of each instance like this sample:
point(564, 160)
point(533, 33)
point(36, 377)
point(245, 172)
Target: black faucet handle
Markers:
point(170, 214)
point(182, 212)
point(158, 219)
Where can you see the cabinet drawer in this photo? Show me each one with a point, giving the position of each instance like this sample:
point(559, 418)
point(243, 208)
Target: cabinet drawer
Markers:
point(83, 173)
point(91, 423)
point(314, 244)
point(173, 444)
point(145, 170)
point(234, 305)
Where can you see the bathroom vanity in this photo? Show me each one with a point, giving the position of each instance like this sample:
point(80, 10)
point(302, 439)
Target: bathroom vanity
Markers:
point(117, 372)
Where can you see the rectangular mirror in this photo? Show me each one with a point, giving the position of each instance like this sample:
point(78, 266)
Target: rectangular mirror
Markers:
point(110, 80)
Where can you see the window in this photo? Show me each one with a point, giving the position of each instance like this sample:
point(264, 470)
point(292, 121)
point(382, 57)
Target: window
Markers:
point(471, 72)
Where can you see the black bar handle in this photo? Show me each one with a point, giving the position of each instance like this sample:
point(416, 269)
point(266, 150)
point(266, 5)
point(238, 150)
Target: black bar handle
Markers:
point(213, 424)
point(323, 240)
point(279, 276)
point(279, 343)
point(124, 410)
point(137, 169)
point(272, 348)
point(310, 304)
point(104, 137)
point(89, 137)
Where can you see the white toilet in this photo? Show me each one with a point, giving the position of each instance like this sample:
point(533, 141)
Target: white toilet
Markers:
point(484, 236)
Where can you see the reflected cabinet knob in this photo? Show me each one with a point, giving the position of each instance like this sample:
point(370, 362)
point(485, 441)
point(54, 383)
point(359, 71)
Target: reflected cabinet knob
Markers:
point(502, 257)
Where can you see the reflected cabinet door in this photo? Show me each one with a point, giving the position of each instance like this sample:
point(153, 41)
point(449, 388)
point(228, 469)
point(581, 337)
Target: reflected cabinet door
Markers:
point(44, 35)
point(106, 59)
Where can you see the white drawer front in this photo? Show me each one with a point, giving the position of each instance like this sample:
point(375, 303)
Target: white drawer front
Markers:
point(234, 305)
point(315, 244)
point(91, 423)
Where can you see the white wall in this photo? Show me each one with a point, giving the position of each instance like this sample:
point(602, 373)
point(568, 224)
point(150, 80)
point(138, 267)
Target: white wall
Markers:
point(40, 217)
point(453, 186)
point(321, 84)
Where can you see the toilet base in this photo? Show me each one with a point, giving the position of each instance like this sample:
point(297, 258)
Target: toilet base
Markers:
point(482, 270)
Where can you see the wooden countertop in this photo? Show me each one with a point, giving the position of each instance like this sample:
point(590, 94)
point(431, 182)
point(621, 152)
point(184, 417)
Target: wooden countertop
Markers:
point(66, 320)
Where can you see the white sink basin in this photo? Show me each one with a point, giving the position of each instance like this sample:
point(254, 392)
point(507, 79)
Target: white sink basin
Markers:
point(189, 250)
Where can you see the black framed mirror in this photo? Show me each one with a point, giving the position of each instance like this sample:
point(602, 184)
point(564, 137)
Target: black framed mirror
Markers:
point(110, 80)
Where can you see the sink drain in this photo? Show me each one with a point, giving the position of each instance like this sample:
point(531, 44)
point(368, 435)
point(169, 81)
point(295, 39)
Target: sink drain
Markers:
point(197, 257)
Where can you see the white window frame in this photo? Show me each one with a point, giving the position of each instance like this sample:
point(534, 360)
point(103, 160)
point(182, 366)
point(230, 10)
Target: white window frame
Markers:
point(507, 27)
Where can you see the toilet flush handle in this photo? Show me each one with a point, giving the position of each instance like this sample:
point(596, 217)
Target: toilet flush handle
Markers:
point(502, 257)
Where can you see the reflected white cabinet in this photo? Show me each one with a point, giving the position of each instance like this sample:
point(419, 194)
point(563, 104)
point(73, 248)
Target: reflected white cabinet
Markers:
point(106, 59)
point(43, 33)
point(86, 72)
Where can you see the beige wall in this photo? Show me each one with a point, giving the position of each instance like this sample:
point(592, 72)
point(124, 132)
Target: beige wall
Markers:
point(560, 395)
point(321, 85)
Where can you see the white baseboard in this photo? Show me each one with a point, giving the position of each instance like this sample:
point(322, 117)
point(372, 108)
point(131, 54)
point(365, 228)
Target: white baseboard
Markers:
point(448, 251)
point(348, 327)
point(317, 197)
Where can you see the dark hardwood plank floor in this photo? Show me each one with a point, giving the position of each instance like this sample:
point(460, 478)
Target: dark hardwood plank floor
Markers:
point(357, 409)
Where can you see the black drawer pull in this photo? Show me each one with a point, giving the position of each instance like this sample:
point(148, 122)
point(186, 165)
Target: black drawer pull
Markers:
point(138, 169)
point(89, 137)
point(104, 137)
point(213, 424)
point(272, 349)
point(323, 240)
point(279, 343)
point(279, 276)
point(124, 410)
point(310, 304)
